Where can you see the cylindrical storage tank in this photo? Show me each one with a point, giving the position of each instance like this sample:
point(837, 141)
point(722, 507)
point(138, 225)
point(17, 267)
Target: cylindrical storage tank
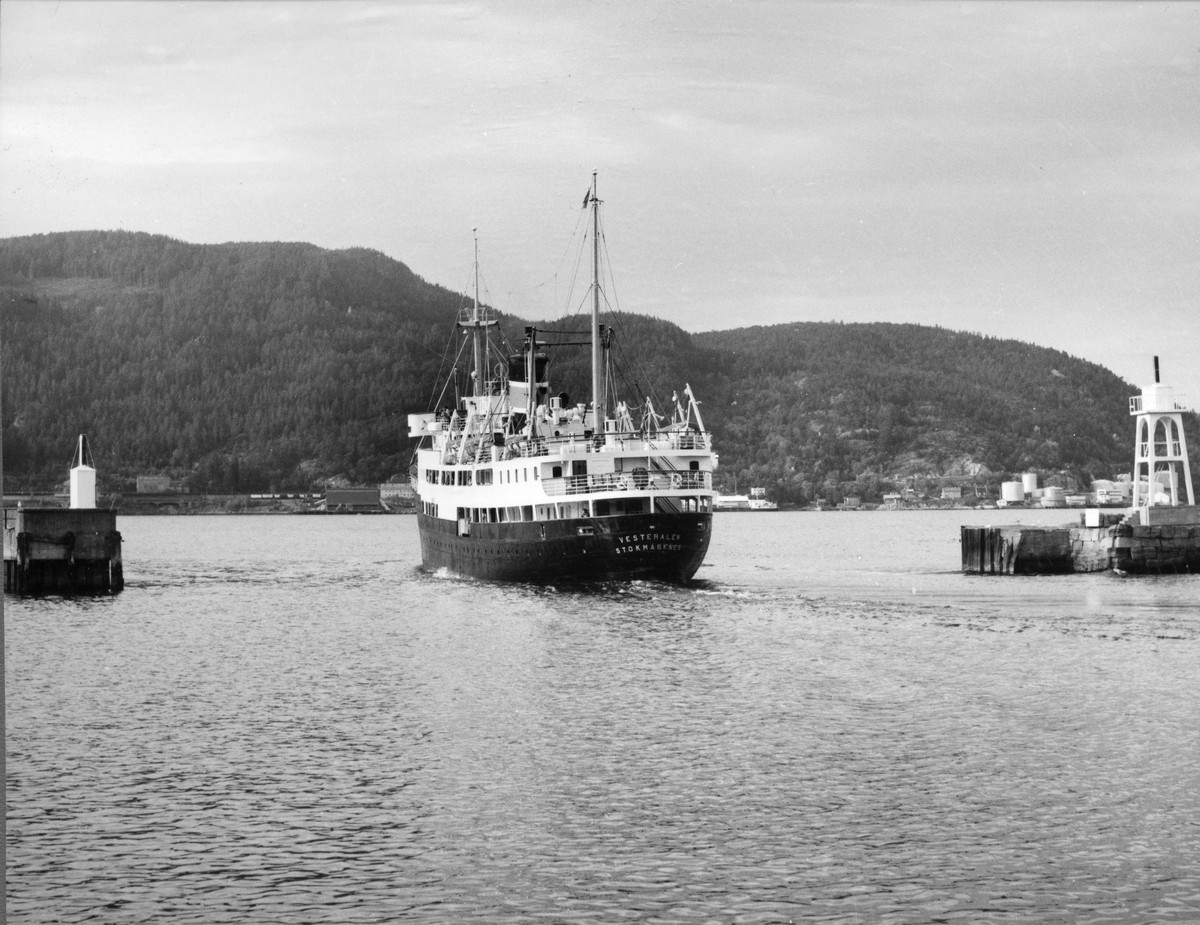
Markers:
point(1053, 493)
point(83, 487)
point(1029, 482)
point(1012, 491)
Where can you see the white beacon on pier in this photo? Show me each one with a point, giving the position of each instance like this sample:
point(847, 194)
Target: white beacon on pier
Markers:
point(83, 476)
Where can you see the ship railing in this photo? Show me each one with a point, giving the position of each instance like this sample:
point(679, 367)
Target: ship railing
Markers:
point(526, 448)
point(674, 440)
point(638, 480)
point(688, 440)
point(663, 441)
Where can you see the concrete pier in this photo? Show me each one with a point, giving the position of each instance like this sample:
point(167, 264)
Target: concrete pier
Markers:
point(1152, 540)
point(62, 550)
point(1016, 550)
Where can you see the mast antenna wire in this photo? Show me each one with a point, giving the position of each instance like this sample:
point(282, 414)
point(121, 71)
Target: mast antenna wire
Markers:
point(617, 316)
point(433, 403)
point(576, 235)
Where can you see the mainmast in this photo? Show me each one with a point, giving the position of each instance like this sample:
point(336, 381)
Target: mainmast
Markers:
point(477, 328)
point(597, 395)
point(478, 320)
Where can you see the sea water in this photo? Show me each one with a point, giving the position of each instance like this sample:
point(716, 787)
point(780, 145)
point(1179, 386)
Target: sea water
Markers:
point(283, 719)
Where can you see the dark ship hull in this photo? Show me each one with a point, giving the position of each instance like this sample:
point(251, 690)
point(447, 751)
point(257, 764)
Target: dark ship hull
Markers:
point(661, 547)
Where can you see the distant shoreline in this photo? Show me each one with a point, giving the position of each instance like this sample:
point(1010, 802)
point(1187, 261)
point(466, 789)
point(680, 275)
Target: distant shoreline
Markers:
point(185, 505)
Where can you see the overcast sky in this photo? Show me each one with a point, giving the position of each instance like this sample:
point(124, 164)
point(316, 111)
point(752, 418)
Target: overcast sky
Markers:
point(1028, 170)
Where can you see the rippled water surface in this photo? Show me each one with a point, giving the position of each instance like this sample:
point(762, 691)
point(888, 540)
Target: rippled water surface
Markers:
point(282, 719)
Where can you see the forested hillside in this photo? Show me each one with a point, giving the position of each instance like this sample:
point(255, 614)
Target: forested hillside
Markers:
point(255, 367)
point(234, 365)
point(869, 407)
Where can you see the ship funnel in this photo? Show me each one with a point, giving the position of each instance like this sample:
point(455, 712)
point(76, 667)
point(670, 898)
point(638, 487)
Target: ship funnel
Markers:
point(83, 476)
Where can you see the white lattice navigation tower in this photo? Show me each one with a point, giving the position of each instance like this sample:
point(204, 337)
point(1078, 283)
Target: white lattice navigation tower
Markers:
point(1160, 463)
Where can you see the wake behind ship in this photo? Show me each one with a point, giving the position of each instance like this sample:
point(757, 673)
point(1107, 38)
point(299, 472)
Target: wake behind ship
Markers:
point(514, 483)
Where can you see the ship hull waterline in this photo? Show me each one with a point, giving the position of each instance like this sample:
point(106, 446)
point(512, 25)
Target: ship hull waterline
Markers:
point(659, 547)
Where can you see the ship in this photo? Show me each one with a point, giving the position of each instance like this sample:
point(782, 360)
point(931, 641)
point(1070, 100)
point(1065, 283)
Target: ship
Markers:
point(515, 483)
point(759, 502)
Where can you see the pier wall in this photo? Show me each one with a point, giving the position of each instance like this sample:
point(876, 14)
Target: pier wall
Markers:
point(1016, 550)
point(62, 550)
point(1169, 543)
point(1165, 548)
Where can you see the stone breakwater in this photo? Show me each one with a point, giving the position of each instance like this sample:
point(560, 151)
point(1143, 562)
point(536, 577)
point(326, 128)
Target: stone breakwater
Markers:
point(1169, 542)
